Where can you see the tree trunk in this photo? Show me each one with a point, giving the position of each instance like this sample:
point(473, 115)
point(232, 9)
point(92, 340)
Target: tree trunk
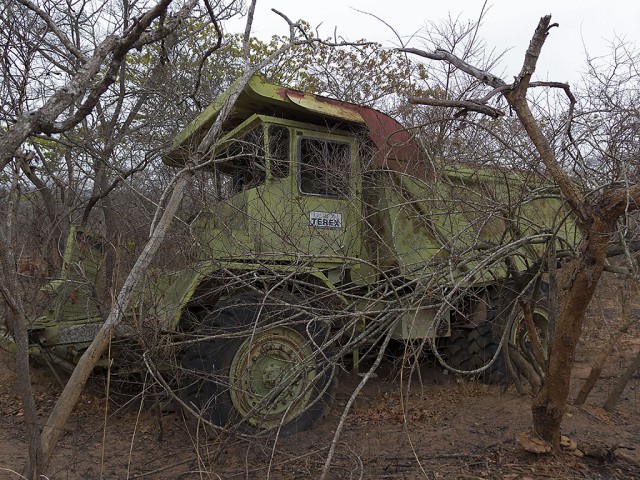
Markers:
point(34, 467)
point(597, 214)
point(598, 365)
point(576, 284)
point(17, 326)
point(69, 397)
point(610, 404)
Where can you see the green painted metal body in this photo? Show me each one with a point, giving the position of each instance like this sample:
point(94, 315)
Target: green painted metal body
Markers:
point(380, 211)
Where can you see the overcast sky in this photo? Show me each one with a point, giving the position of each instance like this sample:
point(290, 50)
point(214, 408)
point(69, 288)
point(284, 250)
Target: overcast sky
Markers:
point(584, 25)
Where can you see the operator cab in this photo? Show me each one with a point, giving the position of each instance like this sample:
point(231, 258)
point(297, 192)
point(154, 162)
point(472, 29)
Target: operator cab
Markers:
point(284, 189)
point(286, 181)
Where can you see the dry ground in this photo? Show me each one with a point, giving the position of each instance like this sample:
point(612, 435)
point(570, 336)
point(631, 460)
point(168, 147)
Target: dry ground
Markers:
point(454, 429)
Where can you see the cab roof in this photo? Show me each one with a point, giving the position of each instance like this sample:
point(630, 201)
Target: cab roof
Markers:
point(394, 147)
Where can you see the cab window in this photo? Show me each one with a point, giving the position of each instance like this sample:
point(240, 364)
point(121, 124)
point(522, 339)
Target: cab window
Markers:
point(246, 165)
point(324, 167)
point(279, 161)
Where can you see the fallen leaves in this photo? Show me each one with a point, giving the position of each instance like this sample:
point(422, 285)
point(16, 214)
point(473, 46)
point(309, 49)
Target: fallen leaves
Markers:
point(570, 445)
point(532, 443)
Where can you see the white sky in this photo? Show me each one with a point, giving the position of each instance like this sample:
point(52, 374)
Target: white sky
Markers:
point(584, 25)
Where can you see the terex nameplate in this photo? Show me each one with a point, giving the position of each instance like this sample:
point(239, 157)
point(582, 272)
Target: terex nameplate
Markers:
point(325, 219)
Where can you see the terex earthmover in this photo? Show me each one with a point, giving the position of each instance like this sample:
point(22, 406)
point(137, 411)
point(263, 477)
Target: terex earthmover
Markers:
point(329, 233)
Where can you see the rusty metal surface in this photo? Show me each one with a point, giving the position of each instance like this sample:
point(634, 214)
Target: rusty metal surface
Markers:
point(325, 106)
point(395, 148)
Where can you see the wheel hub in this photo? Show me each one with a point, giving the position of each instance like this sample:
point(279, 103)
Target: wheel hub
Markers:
point(271, 374)
point(271, 377)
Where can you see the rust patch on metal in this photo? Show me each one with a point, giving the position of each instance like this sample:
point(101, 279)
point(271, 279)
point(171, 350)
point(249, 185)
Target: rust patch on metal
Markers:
point(338, 103)
point(396, 149)
point(282, 92)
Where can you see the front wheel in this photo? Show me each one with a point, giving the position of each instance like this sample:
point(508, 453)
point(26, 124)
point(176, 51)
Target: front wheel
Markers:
point(263, 368)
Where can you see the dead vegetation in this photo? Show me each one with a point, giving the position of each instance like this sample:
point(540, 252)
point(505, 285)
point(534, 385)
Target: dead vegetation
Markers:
point(447, 427)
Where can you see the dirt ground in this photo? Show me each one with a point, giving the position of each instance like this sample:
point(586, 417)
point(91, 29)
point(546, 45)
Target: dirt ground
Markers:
point(455, 429)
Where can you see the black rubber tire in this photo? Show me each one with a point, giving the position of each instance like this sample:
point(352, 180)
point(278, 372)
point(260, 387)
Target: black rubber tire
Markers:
point(471, 349)
point(484, 340)
point(205, 383)
point(483, 345)
point(455, 350)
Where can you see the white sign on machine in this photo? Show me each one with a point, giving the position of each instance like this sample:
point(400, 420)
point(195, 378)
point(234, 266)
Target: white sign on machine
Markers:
point(325, 220)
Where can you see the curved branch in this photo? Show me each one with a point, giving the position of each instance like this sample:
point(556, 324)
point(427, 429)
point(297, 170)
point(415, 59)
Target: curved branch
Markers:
point(466, 105)
point(442, 55)
point(517, 99)
point(208, 53)
point(113, 50)
point(123, 176)
point(117, 49)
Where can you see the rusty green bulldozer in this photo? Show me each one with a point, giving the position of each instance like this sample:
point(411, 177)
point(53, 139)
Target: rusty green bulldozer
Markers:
point(329, 233)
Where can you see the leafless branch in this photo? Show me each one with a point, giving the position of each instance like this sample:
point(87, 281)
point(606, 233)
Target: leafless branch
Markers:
point(443, 55)
point(209, 50)
point(54, 28)
point(467, 105)
point(82, 85)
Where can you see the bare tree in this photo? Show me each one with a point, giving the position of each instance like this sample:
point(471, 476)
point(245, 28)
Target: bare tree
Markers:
point(59, 61)
point(17, 327)
point(596, 211)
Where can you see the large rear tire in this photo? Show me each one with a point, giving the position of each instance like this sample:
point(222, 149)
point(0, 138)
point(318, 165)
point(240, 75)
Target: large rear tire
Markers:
point(455, 349)
point(512, 318)
point(483, 343)
point(472, 349)
point(264, 369)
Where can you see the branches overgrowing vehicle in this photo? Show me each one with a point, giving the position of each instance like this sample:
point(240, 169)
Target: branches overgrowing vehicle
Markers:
point(328, 232)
